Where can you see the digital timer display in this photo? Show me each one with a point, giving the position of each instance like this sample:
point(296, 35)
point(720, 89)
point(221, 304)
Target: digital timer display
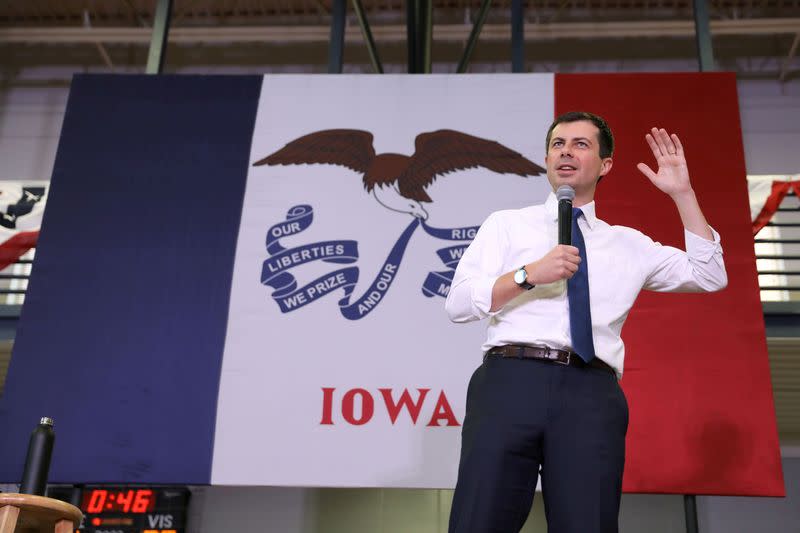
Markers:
point(128, 508)
point(97, 501)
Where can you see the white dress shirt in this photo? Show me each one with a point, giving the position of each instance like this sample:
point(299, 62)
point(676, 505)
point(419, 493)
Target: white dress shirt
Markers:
point(621, 262)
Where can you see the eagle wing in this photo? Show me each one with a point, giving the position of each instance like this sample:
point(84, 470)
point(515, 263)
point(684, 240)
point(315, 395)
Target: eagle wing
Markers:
point(348, 148)
point(444, 151)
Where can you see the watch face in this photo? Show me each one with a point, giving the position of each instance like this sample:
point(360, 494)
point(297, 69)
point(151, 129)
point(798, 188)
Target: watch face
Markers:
point(520, 276)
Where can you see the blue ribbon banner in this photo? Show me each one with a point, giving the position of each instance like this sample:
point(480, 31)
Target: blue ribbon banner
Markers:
point(275, 270)
point(438, 283)
point(375, 293)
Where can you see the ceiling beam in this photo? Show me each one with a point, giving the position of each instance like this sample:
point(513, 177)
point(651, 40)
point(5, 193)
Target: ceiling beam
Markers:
point(705, 50)
point(159, 36)
point(366, 33)
point(474, 34)
point(788, 61)
point(87, 23)
point(395, 33)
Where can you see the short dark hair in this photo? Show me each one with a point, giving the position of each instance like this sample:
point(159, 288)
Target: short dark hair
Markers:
point(605, 136)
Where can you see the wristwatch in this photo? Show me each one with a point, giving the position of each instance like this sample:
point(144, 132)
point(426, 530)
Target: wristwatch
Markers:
point(521, 278)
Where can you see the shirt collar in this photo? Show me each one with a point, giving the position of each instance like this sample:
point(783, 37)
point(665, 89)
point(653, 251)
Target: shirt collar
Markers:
point(551, 208)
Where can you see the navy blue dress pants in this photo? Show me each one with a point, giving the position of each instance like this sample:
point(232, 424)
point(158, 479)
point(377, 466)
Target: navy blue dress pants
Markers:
point(524, 416)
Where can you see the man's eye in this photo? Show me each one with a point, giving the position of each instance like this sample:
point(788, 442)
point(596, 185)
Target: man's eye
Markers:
point(582, 144)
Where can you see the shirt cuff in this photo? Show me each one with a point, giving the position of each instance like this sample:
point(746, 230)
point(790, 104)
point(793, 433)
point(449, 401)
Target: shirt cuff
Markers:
point(702, 249)
point(482, 296)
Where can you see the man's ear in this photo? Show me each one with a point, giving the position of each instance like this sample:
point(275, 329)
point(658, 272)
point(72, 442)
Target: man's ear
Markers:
point(606, 166)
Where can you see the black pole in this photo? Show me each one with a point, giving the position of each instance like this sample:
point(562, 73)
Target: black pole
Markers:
point(473, 36)
point(367, 33)
point(336, 47)
point(702, 31)
point(427, 35)
point(690, 510)
point(411, 33)
point(158, 40)
point(517, 36)
point(705, 56)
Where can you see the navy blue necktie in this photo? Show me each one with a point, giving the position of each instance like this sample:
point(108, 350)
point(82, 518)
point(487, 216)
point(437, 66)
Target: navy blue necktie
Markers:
point(580, 314)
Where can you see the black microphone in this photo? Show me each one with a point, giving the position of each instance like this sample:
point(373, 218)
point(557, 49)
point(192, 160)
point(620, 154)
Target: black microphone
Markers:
point(565, 194)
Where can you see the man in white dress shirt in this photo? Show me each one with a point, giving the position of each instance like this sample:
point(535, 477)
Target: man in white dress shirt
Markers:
point(547, 394)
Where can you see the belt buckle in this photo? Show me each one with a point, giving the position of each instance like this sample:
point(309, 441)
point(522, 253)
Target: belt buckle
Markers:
point(552, 355)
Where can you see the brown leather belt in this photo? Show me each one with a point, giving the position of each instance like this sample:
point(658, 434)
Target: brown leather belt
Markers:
point(551, 355)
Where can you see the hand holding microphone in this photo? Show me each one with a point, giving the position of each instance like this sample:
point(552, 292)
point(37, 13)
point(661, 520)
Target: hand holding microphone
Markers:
point(562, 261)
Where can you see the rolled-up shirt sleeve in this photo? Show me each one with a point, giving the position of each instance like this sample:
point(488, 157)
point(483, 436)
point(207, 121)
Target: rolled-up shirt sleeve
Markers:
point(699, 269)
point(470, 295)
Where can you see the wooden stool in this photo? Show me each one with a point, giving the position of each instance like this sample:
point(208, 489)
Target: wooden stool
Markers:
point(29, 513)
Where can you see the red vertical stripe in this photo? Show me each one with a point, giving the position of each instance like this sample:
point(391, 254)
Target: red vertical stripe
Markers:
point(696, 371)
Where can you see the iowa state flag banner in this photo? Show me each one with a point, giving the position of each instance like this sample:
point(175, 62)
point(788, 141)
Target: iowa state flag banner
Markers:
point(241, 280)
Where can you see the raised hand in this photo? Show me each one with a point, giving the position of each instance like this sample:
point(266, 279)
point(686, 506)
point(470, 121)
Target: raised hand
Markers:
point(672, 177)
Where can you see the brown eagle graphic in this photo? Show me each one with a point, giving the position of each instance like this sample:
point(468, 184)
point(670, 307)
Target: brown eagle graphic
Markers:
point(398, 181)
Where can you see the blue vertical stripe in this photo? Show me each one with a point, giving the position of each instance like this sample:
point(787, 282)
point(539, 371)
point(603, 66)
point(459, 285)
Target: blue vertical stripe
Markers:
point(122, 333)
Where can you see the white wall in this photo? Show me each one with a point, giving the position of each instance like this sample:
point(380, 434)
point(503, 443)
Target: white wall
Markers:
point(770, 114)
point(297, 510)
point(31, 114)
point(761, 515)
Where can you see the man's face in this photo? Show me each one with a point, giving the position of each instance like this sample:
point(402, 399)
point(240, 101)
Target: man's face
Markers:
point(573, 158)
